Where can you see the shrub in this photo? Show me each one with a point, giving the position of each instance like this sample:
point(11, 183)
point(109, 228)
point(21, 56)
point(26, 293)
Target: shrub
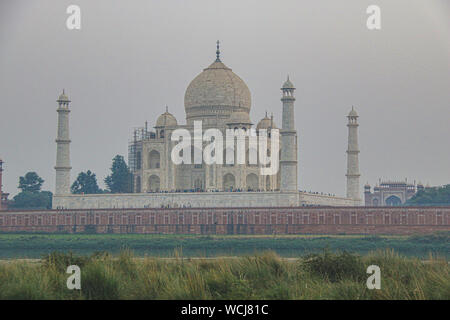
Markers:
point(335, 266)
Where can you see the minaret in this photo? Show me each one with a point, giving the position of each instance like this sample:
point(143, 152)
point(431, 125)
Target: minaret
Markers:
point(62, 184)
point(352, 157)
point(288, 160)
point(1, 192)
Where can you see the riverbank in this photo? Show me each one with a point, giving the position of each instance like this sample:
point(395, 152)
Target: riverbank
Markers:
point(35, 245)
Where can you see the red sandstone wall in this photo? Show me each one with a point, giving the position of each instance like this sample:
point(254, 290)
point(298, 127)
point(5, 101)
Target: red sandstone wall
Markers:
point(299, 220)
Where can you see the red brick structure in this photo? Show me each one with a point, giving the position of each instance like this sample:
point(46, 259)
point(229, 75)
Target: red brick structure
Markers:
point(283, 220)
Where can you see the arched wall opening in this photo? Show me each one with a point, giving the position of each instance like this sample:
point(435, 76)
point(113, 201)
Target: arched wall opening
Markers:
point(229, 182)
point(154, 160)
point(154, 183)
point(252, 182)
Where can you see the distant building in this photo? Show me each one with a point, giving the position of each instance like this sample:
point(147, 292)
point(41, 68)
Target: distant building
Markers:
point(390, 193)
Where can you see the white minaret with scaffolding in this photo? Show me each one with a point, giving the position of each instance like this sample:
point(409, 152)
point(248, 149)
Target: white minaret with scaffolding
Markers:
point(353, 157)
point(62, 168)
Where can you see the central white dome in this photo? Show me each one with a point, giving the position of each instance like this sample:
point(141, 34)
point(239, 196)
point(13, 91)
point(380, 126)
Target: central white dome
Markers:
point(216, 92)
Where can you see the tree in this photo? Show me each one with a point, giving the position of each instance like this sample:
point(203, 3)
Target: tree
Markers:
point(30, 182)
point(431, 196)
point(31, 196)
point(86, 183)
point(33, 200)
point(120, 179)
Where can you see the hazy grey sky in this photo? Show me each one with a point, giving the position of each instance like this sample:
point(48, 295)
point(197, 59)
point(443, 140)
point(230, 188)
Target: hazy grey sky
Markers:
point(131, 58)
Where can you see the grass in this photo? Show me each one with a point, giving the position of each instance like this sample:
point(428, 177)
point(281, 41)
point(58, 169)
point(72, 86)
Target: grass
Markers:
point(35, 245)
point(324, 275)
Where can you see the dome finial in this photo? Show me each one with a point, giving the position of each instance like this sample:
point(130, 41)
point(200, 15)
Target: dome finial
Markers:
point(353, 112)
point(287, 84)
point(63, 97)
point(167, 108)
point(218, 52)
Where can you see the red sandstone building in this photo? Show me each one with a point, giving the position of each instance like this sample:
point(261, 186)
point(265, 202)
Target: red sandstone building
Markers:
point(281, 220)
point(390, 193)
point(273, 220)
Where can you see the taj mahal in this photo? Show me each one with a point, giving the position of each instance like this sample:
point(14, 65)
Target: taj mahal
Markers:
point(218, 99)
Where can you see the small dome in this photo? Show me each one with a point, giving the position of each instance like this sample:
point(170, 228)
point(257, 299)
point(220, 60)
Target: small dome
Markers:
point(265, 123)
point(239, 117)
point(63, 97)
point(367, 186)
point(288, 84)
point(353, 113)
point(166, 120)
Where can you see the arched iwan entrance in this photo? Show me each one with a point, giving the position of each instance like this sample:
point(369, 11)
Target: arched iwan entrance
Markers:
point(229, 182)
point(252, 182)
point(393, 201)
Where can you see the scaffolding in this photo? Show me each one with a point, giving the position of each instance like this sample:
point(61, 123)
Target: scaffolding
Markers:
point(135, 147)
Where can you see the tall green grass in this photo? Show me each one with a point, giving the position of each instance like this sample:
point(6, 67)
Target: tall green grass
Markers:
point(326, 275)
